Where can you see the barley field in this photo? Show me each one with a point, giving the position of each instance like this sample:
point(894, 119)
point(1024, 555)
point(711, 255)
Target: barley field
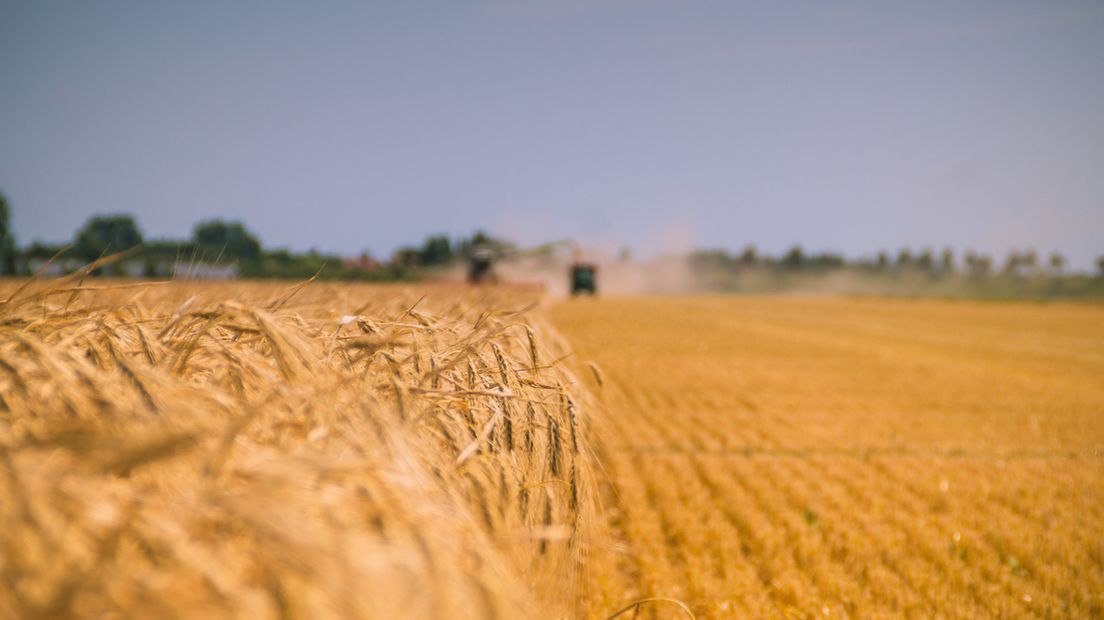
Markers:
point(320, 450)
point(800, 458)
point(239, 450)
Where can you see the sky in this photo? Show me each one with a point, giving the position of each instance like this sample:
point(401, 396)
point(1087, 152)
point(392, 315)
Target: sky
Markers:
point(651, 124)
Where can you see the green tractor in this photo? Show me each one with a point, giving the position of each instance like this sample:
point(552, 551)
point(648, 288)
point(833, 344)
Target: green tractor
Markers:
point(483, 256)
point(583, 278)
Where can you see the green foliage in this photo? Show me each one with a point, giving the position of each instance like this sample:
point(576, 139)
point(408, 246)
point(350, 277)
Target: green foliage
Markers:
point(479, 238)
point(978, 266)
point(947, 261)
point(105, 234)
point(226, 239)
point(794, 259)
point(5, 218)
point(919, 274)
point(228, 247)
point(1057, 263)
point(485, 241)
point(904, 258)
point(42, 251)
point(7, 239)
point(711, 259)
point(749, 257)
point(924, 260)
point(407, 257)
point(437, 251)
point(283, 263)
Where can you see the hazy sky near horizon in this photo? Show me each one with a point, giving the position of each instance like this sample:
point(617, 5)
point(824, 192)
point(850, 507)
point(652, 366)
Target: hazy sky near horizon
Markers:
point(656, 124)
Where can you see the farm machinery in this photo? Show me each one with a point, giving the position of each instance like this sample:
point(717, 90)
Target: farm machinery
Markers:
point(482, 258)
point(583, 277)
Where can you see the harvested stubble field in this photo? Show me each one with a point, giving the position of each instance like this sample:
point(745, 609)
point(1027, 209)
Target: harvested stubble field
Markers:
point(788, 457)
point(269, 451)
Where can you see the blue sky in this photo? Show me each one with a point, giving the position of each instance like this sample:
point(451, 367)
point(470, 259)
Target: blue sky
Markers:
point(845, 126)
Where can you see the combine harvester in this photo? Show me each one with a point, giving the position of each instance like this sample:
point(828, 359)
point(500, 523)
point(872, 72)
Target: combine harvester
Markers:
point(583, 276)
point(482, 258)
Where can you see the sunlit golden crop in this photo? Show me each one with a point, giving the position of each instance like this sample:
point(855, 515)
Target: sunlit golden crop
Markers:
point(352, 451)
point(274, 451)
point(787, 457)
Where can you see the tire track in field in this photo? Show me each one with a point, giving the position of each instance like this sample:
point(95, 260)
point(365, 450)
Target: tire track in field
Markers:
point(764, 473)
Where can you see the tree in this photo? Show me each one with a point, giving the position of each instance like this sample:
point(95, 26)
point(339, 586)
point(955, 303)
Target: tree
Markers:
point(437, 251)
point(1100, 266)
point(881, 262)
point(1057, 263)
point(749, 257)
point(924, 260)
point(824, 260)
point(1030, 261)
point(978, 265)
point(480, 238)
point(484, 242)
point(229, 239)
point(711, 260)
point(794, 259)
point(7, 239)
point(904, 258)
point(42, 251)
point(946, 261)
point(984, 265)
point(406, 257)
point(1013, 263)
point(107, 234)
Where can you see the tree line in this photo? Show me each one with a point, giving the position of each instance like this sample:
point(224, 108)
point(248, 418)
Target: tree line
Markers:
point(217, 248)
point(1025, 263)
point(221, 248)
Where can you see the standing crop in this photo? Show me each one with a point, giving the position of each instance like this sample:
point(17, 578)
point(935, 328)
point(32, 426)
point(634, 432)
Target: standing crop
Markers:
point(248, 450)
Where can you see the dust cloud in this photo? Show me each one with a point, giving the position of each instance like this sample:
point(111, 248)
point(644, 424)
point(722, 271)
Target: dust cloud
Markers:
point(616, 275)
